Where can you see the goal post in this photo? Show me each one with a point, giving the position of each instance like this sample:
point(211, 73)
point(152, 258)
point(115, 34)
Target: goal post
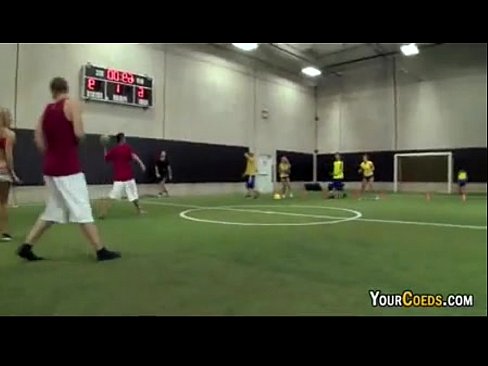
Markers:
point(423, 170)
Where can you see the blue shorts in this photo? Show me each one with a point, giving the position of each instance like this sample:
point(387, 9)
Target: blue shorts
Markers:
point(336, 185)
point(250, 181)
point(461, 183)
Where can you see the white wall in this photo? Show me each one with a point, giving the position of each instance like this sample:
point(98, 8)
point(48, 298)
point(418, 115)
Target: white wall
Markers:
point(38, 63)
point(440, 102)
point(447, 109)
point(356, 110)
point(290, 124)
point(197, 96)
point(7, 75)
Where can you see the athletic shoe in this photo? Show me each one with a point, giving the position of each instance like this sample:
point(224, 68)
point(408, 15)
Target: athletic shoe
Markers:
point(106, 255)
point(6, 237)
point(25, 252)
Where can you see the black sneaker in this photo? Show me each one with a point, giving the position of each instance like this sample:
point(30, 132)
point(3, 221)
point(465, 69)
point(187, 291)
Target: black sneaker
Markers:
point(106, 255)
point(25, 252)
point(6, 237)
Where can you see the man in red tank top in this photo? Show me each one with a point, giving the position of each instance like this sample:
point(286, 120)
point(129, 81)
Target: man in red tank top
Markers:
point(121, 157)
point(57, 135)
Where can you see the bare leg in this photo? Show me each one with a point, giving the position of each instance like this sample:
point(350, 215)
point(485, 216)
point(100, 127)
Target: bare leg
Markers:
point(3, 218)
point(288, 189)
point(140, 211)
point(4, 193)
point(104, 207)
point(37, 231)
point(163, 188)
point(91, 233)
point(25, 250)
point(283, 188)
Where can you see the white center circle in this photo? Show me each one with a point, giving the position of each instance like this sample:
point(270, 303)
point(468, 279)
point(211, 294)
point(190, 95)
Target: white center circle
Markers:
point(250, 209)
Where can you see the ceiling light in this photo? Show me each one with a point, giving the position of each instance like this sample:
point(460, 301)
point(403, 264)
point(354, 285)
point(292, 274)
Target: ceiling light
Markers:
point(409, 49)
point(246, 46)
point(311, 71)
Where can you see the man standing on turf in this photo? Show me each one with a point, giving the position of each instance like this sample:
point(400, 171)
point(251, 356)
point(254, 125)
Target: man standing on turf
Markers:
point(121, 157)
point(57, 134)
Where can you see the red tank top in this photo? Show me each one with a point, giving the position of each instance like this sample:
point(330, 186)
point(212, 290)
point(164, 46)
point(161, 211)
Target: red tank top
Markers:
point(61, 155)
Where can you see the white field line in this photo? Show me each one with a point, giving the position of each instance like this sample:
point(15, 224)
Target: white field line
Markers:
point(420, 223)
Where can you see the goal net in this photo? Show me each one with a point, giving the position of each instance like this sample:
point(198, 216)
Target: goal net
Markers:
point(423, 172)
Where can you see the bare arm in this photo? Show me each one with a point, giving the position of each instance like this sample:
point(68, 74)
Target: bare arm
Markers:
point(157, 171)
point(170, 172)
point(139, 161)
point(39, 136)
point(9, 152)
point(74, 112)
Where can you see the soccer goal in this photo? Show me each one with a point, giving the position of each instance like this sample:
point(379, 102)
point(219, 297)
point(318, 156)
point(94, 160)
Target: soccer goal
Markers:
point(423, 172)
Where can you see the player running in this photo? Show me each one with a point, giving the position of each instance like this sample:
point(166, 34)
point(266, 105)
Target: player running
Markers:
point(121, 157)
point(164, 173)
point(250, 175)
point(57, 134)
point(7, 172)
point(284, 170)
point(366, 168)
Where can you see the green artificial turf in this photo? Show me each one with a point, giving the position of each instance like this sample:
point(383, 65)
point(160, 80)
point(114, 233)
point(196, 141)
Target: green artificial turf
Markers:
point(173, 266)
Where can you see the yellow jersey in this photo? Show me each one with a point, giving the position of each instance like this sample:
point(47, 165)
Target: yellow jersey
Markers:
point(462, 175)
point(284, 170)
point(367, 167)
point(338, 172)
point(251, 168)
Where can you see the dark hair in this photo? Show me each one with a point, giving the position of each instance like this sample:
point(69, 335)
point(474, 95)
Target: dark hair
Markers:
point(58, 85)
point(119, 137)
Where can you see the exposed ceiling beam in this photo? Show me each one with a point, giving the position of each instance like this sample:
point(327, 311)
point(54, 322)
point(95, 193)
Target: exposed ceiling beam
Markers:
point(327, 56)
point(291, 51)
point(391, 53)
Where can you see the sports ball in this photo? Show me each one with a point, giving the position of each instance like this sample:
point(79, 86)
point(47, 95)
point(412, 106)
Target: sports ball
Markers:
point(277, 196)
point(104, 140)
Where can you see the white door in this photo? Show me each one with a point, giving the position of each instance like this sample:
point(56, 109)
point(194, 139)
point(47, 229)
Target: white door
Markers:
point(264, 178)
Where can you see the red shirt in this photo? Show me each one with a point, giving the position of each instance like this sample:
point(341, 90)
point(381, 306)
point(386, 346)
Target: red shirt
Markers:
point(121, 158)
point(61, 155)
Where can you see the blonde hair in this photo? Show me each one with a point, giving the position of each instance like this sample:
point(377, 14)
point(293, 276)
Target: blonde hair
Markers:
point(5, 118)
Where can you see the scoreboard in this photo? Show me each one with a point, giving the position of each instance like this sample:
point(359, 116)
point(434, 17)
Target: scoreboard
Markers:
point(115, 86)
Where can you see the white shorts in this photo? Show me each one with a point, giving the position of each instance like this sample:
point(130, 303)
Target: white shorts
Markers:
point(68, 200)
point(128, 187)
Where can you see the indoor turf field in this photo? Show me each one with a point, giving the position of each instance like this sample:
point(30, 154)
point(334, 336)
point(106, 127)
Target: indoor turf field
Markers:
point(300, 256)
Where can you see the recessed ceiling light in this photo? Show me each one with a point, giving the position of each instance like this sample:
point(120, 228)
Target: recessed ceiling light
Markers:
point(246, 46)
point(311, 71)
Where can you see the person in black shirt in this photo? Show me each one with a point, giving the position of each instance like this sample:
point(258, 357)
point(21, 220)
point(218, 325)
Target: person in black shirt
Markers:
point(163, 173)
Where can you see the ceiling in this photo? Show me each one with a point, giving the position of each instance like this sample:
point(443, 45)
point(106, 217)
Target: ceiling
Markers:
point(330, 58)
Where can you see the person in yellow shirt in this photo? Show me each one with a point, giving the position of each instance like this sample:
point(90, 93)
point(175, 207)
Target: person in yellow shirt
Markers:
point(366, 168)
point(284, 170)
point(338, 177)
point(462, 180)
point(250, 175)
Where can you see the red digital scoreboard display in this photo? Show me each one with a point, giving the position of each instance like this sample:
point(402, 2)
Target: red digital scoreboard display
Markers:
point(115, 86)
